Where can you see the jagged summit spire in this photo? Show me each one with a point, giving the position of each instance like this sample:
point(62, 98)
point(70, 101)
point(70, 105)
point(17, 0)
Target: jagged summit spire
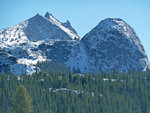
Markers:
point(50, 16)
point(47, 15)
point(68, 22)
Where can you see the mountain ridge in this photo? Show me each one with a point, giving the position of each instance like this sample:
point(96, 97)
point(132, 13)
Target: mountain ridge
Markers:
point(111, 45)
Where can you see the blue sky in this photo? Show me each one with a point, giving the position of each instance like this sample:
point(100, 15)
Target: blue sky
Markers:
point(83, 14)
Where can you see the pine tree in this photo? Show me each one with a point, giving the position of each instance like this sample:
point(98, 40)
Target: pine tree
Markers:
point(21, 101)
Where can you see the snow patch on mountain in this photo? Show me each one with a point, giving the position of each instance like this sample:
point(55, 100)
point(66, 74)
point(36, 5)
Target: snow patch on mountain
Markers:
point(78, 59)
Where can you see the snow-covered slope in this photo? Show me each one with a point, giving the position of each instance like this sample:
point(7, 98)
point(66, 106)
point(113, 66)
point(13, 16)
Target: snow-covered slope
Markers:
point(22, 41)
point(111, 45)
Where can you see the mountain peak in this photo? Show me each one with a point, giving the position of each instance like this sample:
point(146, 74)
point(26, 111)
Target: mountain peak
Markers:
point(64, 26)
point(37, 16)
point(67, 24)
point(109, 22)
point(51, 18)
point(47, 15)
point(114, 23)
point(114, 20)
point(111, 45)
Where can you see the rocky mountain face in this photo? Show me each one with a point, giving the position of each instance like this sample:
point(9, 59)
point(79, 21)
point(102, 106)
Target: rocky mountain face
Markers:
point(27, 41)
point(111, 45)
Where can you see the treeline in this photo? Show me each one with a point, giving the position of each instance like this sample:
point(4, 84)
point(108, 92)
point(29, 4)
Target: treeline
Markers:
point(67, 92)
point(53, 67)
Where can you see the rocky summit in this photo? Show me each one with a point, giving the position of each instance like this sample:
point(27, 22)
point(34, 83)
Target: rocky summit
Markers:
point(111, 45)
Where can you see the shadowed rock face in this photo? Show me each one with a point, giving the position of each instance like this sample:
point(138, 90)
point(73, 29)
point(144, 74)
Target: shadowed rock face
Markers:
point(58, 51)
point(111, 45)
point(5, 61)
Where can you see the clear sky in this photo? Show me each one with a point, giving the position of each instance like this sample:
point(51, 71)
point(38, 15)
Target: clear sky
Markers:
point(83, 14)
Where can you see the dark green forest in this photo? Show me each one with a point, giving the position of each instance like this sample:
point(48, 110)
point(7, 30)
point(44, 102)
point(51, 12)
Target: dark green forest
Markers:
point(57, 90)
